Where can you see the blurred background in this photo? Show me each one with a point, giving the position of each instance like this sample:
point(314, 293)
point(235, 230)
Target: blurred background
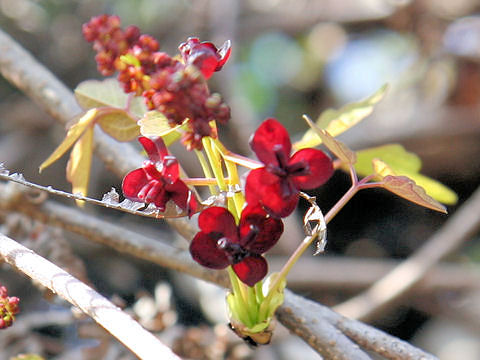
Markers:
point(290, 57)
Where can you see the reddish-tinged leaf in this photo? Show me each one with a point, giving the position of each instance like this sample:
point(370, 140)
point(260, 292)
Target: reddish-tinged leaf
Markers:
point(78, 167)
point(73, 134)
point(406, 188)
point(338, 148)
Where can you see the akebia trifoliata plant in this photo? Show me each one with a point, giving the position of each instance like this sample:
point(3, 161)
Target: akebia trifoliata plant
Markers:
point(160, 99)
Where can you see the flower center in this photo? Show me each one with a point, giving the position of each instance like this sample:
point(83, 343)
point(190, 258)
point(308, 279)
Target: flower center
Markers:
point(235, 252)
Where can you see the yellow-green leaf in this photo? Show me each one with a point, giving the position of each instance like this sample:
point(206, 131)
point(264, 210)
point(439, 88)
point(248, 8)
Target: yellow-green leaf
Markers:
point(107, 93)
point(78, 167)
point(394, 155)
point(434, 188)
point(405, 186)
point(338, 121)
point(119, 124)
point(337, 147)
point(154, 123)
point(73, 134)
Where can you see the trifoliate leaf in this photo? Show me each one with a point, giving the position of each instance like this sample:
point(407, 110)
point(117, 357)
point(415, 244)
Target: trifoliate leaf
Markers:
point(338, 121)
point(78, 167)
point(73, 134)
point(107, 93)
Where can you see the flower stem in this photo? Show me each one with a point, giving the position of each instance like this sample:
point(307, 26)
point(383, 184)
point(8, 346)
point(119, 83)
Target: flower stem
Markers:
point(206, 170)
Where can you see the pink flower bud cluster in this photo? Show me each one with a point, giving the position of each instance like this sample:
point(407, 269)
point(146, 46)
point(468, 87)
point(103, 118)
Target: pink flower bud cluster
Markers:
point(8, 308)
point(175, 86)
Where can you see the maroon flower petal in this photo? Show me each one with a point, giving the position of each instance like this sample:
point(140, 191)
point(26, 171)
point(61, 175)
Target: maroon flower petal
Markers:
point(133, 183)
point(251, 270)
point(182, 196)
point(204, 250)
point(156, 149)
point(218, 220)
point(271, 136)
point(278, 196)
point(268, 230)
point(320, 168)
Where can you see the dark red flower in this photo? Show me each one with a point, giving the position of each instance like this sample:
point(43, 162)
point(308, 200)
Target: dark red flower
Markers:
point(276, 185)
point(157, 181)
point(205, 55)
point(221, 242)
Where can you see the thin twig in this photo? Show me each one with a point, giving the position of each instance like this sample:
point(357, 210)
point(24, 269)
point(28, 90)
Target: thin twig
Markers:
point(458, 228)
point(22, 70)
point(113, 319)
point(292, 314)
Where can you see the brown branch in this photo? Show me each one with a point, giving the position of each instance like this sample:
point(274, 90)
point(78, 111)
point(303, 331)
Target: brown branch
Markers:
point(113, 319)
point(458, 228)
point(296, 313)
point(20, 68)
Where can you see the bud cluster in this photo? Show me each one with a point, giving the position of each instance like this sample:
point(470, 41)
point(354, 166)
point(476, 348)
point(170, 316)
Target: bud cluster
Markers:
point(8, 308)
point(175, 86)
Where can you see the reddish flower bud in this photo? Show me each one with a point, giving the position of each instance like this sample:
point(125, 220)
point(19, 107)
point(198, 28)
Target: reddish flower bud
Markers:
point(8, 308)
point(205, 55)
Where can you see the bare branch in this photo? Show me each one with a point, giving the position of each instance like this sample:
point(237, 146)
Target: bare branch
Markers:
point(311, 321)
point(19, 67)
point(458, 228)
point(113, 319)
point(366, 336)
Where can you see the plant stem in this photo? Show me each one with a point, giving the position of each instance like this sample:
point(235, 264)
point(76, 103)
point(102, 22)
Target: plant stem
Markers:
point(206, 170)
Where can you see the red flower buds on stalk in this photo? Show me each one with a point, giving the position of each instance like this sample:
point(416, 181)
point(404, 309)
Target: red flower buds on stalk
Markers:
point(175, 88)
point(8, 308)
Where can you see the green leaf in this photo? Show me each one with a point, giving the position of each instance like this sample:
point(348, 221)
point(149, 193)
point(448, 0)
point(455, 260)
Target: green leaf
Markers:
point(119, 124)
point(403, 163)
point(434, 188)
point(73, 134)
point(338, 121)
point(405, 187)
point(107, 93)
point(394, 155)
point(337, 147)
point(154, 123)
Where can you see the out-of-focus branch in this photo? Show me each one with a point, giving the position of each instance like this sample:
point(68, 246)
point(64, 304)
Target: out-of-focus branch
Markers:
point(458, 228)
point(114, 320)
point(311, 321)
point(19, 67)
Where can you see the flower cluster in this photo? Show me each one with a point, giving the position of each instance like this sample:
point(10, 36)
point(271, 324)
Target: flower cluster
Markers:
point(272, 192)
point(221, 242)
point(176, 88)
point(157, 181)
point(8, 308)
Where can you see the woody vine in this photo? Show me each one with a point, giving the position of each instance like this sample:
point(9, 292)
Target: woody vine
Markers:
point(159, 99)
